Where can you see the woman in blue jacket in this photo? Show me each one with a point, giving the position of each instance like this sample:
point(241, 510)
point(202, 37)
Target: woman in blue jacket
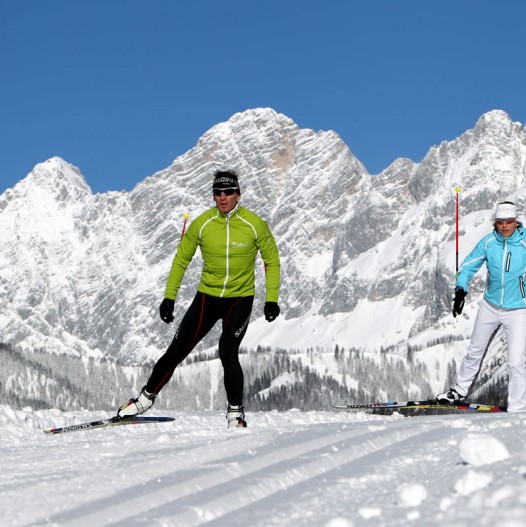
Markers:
point(504, 304)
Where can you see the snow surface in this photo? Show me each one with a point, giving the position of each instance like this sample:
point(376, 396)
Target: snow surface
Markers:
point(329, 469)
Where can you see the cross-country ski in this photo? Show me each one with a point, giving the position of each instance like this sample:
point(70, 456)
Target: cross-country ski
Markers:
point(425, 404)
point(112, 421)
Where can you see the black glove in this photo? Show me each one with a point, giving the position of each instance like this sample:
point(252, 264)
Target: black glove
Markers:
point(271, 311)
point(166, 310)
point(458, 303)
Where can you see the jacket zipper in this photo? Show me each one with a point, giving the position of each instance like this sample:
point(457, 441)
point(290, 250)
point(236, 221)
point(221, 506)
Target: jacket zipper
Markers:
point(505, 268)
point(227, 261)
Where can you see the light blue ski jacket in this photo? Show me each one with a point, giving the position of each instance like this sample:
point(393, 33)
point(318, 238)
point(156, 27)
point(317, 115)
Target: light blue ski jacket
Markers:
point(506, 264)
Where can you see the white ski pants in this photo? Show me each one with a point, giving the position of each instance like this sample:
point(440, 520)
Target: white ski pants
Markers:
point(488, 320)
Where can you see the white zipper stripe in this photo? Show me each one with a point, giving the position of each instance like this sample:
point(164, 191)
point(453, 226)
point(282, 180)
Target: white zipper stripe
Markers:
point(205, 224)
point(503, 270)
point(250, 225)
point(227, 252)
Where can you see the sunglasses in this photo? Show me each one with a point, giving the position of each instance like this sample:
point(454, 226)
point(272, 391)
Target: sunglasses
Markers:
point(228, 191)
point(505, 220)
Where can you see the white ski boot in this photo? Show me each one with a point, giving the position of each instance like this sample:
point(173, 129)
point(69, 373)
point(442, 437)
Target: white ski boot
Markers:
point(235, 416)
point(138, 405)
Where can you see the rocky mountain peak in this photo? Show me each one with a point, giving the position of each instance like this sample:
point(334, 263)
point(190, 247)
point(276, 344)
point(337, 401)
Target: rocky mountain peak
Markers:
point(366, 260)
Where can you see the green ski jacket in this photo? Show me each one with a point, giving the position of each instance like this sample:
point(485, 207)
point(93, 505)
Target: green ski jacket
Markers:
point(229, 245)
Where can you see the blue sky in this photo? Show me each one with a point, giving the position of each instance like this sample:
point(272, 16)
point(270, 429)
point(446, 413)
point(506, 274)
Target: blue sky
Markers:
point(120, 88)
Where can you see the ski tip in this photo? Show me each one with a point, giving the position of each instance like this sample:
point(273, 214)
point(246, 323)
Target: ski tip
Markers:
point(50, 430)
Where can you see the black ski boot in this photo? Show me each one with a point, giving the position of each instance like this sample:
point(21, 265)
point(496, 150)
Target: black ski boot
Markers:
point(451, 397)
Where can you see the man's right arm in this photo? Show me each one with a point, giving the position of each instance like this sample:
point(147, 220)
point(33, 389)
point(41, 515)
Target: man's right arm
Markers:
point(183, 257)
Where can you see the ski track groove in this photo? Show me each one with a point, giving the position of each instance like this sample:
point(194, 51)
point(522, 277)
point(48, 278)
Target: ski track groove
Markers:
point(362, 472)
point(210, 496)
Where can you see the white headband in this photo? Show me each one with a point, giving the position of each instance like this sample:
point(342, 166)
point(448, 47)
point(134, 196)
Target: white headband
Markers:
point(505, 211)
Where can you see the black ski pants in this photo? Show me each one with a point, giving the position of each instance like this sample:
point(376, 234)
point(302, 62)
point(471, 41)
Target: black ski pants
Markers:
point(200, 318)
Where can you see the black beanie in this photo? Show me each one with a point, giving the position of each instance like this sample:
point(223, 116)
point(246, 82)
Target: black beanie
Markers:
point(224, 180)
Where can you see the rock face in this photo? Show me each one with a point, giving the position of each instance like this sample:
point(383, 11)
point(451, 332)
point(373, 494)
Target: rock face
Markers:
point(369, 258)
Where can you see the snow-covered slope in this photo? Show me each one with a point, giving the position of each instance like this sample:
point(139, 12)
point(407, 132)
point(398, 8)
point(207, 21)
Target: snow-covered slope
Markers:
point(367, 260)
point(304, 469)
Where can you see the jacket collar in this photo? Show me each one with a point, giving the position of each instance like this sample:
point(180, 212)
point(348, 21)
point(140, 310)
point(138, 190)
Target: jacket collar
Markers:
point(516, 237)
point(229, 214)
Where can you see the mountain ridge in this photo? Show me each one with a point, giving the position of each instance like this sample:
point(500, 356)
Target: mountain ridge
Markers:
point(367, 260)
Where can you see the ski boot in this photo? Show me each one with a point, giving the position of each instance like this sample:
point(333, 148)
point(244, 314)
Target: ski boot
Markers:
point(138, 405)
point(235, 416)
point(451, 397)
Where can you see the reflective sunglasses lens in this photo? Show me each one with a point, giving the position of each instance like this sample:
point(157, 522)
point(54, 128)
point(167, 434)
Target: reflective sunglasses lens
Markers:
point(227, 191)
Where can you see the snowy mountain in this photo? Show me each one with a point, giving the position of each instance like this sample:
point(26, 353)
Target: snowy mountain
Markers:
point(368, 261)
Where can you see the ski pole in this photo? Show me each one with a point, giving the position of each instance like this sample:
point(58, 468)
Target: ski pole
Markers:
point(457, 190)
point(184, 224)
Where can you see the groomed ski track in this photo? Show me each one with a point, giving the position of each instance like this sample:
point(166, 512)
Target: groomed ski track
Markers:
point(292, 468)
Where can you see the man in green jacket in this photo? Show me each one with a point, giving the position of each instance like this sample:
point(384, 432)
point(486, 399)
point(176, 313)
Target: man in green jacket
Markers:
point(230, 238)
